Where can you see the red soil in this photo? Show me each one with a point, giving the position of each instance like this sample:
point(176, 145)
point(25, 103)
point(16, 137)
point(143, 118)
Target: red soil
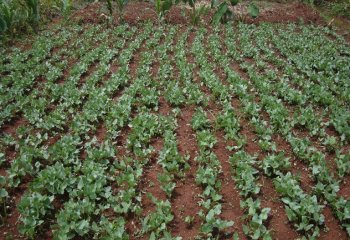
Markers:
point(185, 200)
point(144, 11)
point(286, 13)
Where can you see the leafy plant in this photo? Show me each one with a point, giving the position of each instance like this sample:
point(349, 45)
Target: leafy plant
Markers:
point(54, 180)
point(107, 229)
point(206, 140)
point(223, 13)
point(253, 10)
point(144, 127)
point(229, 122)
point(341, 8)
point(331, 143)
point(257, 216)
point(301, 208)
point(306, 117)
point(75, 219)
point(196, 11)
point(110, 6)
point(168, 185)
point(200, 120)
point(2, 158)
point(127, 199)
point(274, 165)
point(206, 176)
point(343, 164)
point(121, 5)
point(162, 7)
point(189, 220)
point(66, 7)
point(213, 223)
point(7, 16)
point(3, 197)
point(174, 94)
point(170, 158)
point(246, 175)
point(33, 209)
point(340, 119)
point(34, 14)
point(156, 222)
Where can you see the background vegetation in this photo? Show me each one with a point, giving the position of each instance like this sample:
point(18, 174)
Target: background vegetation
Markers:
point(27, 15)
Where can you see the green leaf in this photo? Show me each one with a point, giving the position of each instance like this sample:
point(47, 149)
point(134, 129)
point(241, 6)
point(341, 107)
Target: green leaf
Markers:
point(109, 6)
point(253, 10)
point(219, 14)
point(245, 229)
point(267, 236)
point(2, 180)
point(224, 224)
point(256, 234)
point(191, 2)
point(167, 5)
point(265, 213)
point(3, 25)
point(82, 227)
point(3, 193)
point(234, 2)
point(214, 3)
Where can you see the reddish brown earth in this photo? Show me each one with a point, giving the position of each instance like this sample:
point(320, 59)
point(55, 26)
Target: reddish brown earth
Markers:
point(12, 126)
point(299, 168)
point(278, 221)
point(345, 188)
point(333, 229)
point(101, 132)
point(185, 200)
point(143, 11)
point(287, 13)
point(10, 227)
point(134, 13)
point(230, 195)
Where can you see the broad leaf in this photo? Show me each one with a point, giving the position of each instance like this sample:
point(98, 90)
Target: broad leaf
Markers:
point(3, 25)
point(167, 5)
point(253, 10)
point(234, 2)
point(219, 14)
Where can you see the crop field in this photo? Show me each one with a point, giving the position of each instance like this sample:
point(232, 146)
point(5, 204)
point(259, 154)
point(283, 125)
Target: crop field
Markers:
point(172, 132)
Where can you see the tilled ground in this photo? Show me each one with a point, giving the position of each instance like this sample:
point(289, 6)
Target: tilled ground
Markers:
point(142, 124)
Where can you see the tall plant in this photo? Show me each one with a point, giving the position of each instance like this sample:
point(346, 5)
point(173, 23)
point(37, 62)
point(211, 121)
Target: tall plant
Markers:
point(66, 7)
point(13, 15)
point(7, 17)
point(162, 7)
point(16, 15)
point(223, 13)
point(110, 6)
point(33, 13)
point(196, 11)
point(120, 7)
